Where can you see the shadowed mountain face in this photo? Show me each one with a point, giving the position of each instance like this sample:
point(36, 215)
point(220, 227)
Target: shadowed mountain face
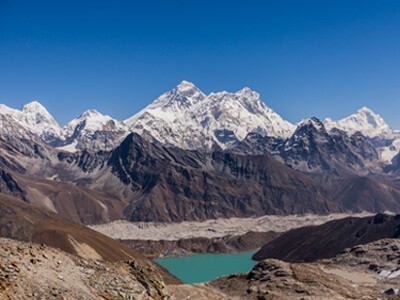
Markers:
point(145, 181)
point(174, 184)
point(312, 148)
point(311, 243)
point(346, 165)
point(367, 193)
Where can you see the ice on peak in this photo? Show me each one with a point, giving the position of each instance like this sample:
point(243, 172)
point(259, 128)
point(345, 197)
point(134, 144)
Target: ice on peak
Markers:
point(195, 118)
point(249, 95)
point(365, 109)
point(4, 109)
point(313, 121)
point(34, 106)
point(35, 119)
point(185, 86)
point(90, 113)
point(93, 130)
point(247, 91)
point(364, 120)
point(184, 90)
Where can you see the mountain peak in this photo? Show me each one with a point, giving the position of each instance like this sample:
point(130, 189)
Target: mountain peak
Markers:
point(185, 86)
point(92, 130)
point(90, 113)
point(34, 106)
point(365, 109)
point(314, 122)
point(184, 95)
point(248, 93)
point(364, 120)
point(196, 120)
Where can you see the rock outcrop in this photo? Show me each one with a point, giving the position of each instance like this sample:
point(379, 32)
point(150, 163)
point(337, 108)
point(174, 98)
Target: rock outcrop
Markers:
point(32, 271)
point(369, 271)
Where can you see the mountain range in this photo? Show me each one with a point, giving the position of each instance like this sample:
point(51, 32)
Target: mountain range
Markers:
point(192, 156)
point(187, 118)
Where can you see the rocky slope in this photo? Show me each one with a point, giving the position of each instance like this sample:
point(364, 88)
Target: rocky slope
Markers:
point(172, 184)
point(274, 279)
point(24, 222)
point(32, 271)
point(368, 193)
point(308, 244)
point(347, 166)
point(312, 148)
point(381, 257)
point(145, 181)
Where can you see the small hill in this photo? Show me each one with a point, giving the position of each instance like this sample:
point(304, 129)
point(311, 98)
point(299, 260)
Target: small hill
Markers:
point(311, 243)
point(25, 222)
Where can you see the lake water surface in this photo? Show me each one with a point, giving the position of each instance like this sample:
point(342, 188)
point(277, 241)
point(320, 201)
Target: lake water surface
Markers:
point(206, 267)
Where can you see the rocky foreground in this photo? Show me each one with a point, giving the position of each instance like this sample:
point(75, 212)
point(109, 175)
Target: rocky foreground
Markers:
point(33, 271)
point(368, 271)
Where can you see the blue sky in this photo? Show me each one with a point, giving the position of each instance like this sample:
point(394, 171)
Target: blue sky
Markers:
point(306, 58)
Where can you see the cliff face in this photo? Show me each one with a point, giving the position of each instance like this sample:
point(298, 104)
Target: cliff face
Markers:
point(174, 184)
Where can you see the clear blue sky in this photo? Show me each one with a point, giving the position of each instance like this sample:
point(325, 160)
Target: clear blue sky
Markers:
point(306, 58)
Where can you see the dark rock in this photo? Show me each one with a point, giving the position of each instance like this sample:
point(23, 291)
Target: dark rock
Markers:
point(311, 243)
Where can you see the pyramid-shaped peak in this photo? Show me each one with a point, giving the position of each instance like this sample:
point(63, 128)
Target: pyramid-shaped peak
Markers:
point(364, 120)
point(185, 86)
point(366, 110)
point(369, 116)
point(34, 106)
point(90, 113)
point(246, 89)
point(313, 121)
point(248, 93)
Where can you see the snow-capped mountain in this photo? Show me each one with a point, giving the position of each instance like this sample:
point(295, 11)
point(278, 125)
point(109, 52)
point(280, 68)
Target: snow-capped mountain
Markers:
point(364, 120)
point(168, 118)
point(187, 118)
point(35, 119)
point(94, 131)
point(91, 130)
point(373, 126)
point(312, 147)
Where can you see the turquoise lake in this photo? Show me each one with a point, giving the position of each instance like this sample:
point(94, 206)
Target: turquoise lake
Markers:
point(206, 267)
